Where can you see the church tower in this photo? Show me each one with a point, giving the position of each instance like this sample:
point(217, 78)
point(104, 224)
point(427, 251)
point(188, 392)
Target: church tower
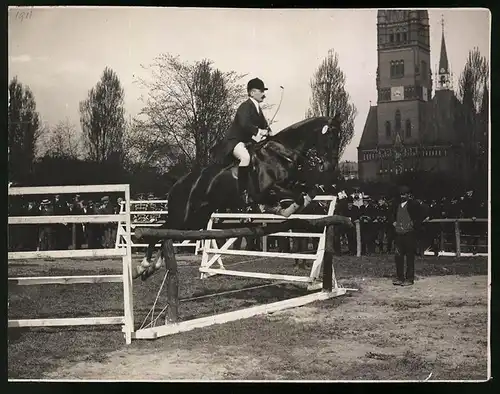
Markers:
point(444, 77)
point(409, 129)
point(404, 78)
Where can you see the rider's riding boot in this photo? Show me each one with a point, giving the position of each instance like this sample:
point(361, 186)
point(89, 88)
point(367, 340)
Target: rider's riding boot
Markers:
point(242, 180)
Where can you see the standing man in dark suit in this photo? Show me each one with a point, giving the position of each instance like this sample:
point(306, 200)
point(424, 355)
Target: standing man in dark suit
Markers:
point(408, 215)
point(249, 124)
point(352, 212)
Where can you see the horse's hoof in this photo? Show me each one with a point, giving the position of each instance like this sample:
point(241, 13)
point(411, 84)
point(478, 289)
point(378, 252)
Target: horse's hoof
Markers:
point(159, 264)
point(137, 272)
point(145, 275)
point(148, 272)
point(145, 263)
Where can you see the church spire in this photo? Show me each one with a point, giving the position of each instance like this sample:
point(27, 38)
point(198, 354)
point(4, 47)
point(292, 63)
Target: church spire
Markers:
point(444, 80)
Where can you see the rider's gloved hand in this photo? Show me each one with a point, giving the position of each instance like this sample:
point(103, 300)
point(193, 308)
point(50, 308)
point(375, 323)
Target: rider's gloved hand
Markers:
point(263, 132)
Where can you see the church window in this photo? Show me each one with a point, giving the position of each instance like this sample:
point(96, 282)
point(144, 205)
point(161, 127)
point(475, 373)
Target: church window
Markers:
point(397, 68)
point(408, 128)
point(397, 120)
point(405, 37)
point(424, 70)
point(388, 129)
point(397, 37)
point(391, 37)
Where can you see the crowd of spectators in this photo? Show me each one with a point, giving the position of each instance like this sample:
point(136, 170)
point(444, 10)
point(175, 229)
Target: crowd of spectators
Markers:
point(64, 236)
point(372, 212)
point(377, 230)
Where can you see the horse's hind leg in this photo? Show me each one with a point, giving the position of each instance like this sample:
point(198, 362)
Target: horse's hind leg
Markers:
point(152, 268)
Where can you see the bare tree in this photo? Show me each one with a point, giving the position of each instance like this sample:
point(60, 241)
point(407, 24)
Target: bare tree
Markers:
point(102, 117)
point(483, 131)
point(62, 141)
point(329, 97)
point(472, 86)
point(23, 131)
point(188, 109)
point(473, 80)
point(147, 146)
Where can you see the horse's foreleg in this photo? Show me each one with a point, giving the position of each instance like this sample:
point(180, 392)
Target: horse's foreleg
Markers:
point(152, 268)
point(300, 201)
point(146, 269)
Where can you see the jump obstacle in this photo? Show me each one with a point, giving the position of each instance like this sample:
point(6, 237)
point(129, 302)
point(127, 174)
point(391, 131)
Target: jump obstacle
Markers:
point(329, 283)
point(122, 239)
point(172, 323)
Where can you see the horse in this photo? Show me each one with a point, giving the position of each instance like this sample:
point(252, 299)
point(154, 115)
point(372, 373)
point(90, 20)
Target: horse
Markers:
point(289, 164)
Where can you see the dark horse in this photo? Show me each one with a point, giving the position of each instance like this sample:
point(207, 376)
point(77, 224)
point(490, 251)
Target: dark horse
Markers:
point(289, 164)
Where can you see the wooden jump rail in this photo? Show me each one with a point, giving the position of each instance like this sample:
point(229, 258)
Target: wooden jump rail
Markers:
point(172, 324)
point(127, 320)
point(247, 231)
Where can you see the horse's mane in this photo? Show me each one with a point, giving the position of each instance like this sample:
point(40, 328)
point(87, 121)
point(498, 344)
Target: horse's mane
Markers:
point(302, 123)
point(295, 129)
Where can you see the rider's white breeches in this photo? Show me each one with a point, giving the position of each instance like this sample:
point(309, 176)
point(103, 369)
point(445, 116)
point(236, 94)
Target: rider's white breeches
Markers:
point(241, 153)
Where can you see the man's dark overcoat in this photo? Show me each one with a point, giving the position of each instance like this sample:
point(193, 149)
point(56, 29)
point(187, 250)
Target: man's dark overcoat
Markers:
point(246, 124)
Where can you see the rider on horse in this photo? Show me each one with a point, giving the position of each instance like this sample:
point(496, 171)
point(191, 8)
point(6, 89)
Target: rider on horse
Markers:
point(249, 124)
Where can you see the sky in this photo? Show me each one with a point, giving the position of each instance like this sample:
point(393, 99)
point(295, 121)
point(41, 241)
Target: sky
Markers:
point(61, 52)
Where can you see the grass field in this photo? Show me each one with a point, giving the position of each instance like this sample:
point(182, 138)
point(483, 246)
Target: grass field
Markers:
point(380, 332)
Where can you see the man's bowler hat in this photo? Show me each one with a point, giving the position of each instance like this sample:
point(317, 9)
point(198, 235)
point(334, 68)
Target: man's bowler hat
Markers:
point(404, 189)
point(256, 83)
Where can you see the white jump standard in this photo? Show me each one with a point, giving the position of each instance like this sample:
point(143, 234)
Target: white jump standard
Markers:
point(127, 320)
point(212, 253)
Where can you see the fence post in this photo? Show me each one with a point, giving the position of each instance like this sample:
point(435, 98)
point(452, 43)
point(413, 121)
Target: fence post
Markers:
point(73, 236)
point(328, 259)
point(441, 240)
point(358, 239)
point(457, 237)
point(172, 282)
point(128, 286)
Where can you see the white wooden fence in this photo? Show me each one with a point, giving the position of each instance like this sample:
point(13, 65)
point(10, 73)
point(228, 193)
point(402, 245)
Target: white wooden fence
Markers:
point(127, 319)
point(212, 253)
point(458, 238)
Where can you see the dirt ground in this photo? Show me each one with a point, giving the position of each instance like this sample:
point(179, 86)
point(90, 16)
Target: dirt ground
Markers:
point(436, 330)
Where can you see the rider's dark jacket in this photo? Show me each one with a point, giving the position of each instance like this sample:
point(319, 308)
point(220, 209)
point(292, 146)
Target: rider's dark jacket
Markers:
point(246, 123)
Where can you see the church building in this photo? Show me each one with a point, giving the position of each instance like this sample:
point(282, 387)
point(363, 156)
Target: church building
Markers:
point(408, 130)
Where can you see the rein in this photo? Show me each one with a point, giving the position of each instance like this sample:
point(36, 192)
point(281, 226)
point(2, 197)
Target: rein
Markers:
point(301, 157)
